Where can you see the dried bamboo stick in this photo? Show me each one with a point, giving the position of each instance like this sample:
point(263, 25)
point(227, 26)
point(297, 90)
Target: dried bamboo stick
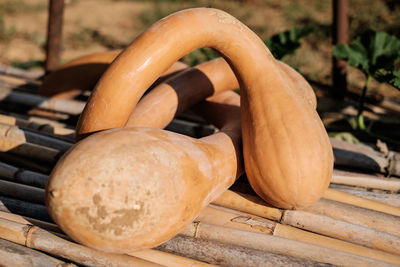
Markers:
point(72, 107)
point(12, 254)
point(29, 75)
point(348, 213)
point(36, 238)
point(342, 230)
point(22, 176)
point(388, 184)
point(230, 255)
point(360, 160)
point(51, 227)
point(22, 192)
point(248, 203)
point(168, 259)
point(38, 120)
point(151, 255)
point(29, 150)
point(386, 198)
point(238, 220)
point(25, 163)
point(40, 125)
point(360, 148)
point(277, 245)
point(14, 132)
point(31, 210)
point(360, 202)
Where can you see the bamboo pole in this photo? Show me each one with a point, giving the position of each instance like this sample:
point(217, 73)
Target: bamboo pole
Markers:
point(12, 254)
point(388, 184)
point(277, 245)
point(28, 75)
point(51, 227)
point(42, 126)
point(343, 197)
point(31, 210)
point(72, 107)
point(342, 230)
point(242, 221)
point(168, 259)
point(36, 238)
point(14, 132)
point(26, 163)
point(22, 176)
point(151, 255)
point(22, 192)
point(247, 203)
point(360, 148)
point(230, 255)
point(385, 198)
point(348, 213)
point(359, 160)
point(28, 150)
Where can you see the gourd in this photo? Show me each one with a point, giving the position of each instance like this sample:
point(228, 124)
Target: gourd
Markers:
point(289, 172)
point(131, 188)
point(82, 73)
point(287, 153)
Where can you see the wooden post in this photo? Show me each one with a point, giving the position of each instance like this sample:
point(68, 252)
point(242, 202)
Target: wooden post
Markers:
point(54, 34)
point(340, 35)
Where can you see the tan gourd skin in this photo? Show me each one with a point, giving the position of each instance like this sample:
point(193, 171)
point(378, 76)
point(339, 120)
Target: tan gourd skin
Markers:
point(181, 92)
point(75, 76)
point(86, 217)
point(131, 188)
point(287, 153)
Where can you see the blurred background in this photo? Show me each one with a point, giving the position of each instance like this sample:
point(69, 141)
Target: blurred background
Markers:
point(98, 25)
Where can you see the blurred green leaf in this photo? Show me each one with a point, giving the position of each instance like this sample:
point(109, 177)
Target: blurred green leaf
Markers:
point(286, 42)
point(375, 54)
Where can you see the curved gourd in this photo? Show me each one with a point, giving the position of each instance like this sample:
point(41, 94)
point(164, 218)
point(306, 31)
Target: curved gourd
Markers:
point(288, 157)
point(285, 145)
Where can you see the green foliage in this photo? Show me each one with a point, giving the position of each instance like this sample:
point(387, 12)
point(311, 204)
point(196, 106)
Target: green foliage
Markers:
point(27, 65)
point(286, 42)
point(375, 54)
point(345, 136)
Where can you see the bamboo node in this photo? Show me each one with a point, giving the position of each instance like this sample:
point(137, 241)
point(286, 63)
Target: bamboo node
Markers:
point(195, 229)
point(29, 232)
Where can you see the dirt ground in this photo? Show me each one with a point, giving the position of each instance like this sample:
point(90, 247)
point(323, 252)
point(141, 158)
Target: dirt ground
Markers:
point(98, 25)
